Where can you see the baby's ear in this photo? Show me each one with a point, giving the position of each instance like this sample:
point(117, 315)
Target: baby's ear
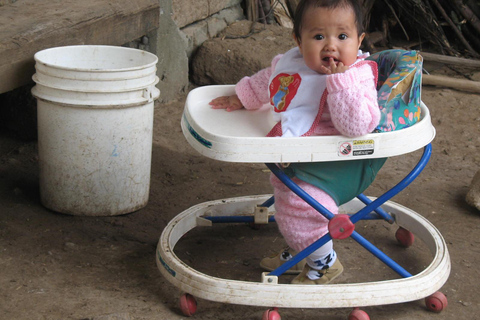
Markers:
point(297, 41)
point(360, 39)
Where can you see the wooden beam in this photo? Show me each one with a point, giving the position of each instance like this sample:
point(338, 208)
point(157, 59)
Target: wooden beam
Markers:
point(29, 26)
point(450, 60)
point(449, 82)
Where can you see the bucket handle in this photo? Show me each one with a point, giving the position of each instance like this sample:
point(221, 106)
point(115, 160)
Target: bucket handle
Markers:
point(148, 93)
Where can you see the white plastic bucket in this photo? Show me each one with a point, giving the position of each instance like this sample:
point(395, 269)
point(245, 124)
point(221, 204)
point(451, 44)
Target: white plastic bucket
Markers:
point(95, 125)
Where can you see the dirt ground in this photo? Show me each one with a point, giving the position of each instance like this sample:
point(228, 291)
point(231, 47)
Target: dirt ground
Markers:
point(56, 266)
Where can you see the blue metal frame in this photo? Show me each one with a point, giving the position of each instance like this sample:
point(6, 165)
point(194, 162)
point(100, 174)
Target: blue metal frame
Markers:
point(370, 206)
point(372, 210)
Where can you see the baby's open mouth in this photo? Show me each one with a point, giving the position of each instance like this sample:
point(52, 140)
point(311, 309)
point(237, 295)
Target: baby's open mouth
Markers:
point(327, 59)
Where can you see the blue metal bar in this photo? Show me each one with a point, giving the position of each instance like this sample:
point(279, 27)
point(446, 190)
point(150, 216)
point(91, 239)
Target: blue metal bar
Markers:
point(268, 202)
point(380, 255)
point(357, 237)
point(371, 216)
point(249, 219)
point(379, 211)
point(364, 212)
point(300, 256)
point(241, 219)
point(396, 189)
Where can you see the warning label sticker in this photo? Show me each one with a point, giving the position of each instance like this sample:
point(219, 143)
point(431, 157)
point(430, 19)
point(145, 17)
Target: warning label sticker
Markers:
point(355, 148)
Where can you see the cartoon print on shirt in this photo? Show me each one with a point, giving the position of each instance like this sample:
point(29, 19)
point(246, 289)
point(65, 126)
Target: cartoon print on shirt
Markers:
point(283, 89)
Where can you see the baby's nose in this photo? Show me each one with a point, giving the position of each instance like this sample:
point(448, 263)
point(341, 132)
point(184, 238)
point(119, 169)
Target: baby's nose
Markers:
point(329, 46)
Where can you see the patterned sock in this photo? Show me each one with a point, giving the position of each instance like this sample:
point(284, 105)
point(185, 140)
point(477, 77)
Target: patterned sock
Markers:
point(322, 263)
point(314, 260)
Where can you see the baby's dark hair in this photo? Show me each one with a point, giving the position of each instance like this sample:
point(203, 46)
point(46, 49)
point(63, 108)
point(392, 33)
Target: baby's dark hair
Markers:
point(305, 5)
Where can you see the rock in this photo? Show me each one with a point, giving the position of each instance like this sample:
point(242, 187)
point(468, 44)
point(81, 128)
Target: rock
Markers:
point(473, 195)
point(69, 245)
point(233, 55)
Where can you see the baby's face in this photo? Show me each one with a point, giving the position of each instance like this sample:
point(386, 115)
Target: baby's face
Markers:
point(329, 34)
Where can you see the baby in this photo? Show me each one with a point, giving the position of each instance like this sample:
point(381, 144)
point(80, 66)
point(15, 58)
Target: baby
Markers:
point(321, 87)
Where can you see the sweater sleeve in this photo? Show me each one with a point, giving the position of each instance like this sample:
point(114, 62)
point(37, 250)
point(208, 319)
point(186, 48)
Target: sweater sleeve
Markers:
point(352, 101)
point(253, 91)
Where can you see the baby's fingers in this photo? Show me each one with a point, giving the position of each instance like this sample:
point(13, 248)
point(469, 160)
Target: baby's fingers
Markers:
point(229, 103)
point(219, 106)
point(234, 107)
point(333, 66)
point(325, 70)
point(219, 103)
point(341, 68)
point(219, 100)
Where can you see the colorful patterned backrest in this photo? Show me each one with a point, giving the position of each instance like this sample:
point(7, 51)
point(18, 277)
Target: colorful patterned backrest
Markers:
point(399, 88)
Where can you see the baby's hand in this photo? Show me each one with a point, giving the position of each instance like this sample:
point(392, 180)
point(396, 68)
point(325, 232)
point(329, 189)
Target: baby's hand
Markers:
point(229, 103)
point(335, 68)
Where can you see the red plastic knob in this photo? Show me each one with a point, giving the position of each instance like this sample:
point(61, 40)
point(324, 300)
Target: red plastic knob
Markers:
point(340, 226)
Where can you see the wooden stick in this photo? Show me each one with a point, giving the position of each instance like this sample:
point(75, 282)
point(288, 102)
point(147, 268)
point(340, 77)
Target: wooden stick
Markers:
point(252, 14)
point(367, 7)
point(468, 14)
point(450, 60)
point(398, 20)
point(426, 23)
point(454, 83)
point(455, 29)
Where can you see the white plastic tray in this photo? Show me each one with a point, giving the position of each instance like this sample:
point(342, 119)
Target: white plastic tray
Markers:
point(239, 136)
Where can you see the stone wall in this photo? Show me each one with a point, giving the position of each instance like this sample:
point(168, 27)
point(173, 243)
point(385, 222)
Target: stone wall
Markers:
point(231, 56)
point(207, 24)
point(184, 26)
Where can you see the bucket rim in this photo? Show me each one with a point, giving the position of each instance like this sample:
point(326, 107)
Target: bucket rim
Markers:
point(112, 90)
point(99, 104)
point(38, 59)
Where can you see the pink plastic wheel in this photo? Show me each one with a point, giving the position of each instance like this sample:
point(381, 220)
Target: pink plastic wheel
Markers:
point(188, 304)
point(271, 314)
point(404, 237)
point(358, 314)
point(436, 302)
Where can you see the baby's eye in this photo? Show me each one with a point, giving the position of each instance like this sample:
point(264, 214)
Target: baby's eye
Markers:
point(343, 36)
point(318, 37)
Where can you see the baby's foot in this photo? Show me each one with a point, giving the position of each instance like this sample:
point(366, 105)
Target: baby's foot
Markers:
point(323, 276)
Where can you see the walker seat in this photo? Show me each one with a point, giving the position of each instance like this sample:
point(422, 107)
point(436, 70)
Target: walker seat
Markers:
point(240, 137)
point(399, 86)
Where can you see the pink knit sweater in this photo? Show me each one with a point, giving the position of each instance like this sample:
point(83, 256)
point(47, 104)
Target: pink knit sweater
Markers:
point(351, 102)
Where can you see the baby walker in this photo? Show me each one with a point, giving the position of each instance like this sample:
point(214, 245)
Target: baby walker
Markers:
point(240, 137)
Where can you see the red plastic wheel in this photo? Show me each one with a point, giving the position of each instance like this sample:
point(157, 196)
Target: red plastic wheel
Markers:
point(271, 314)
point(436, 302)
point(358, 314)
point(404, 237)
point(188, 304)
